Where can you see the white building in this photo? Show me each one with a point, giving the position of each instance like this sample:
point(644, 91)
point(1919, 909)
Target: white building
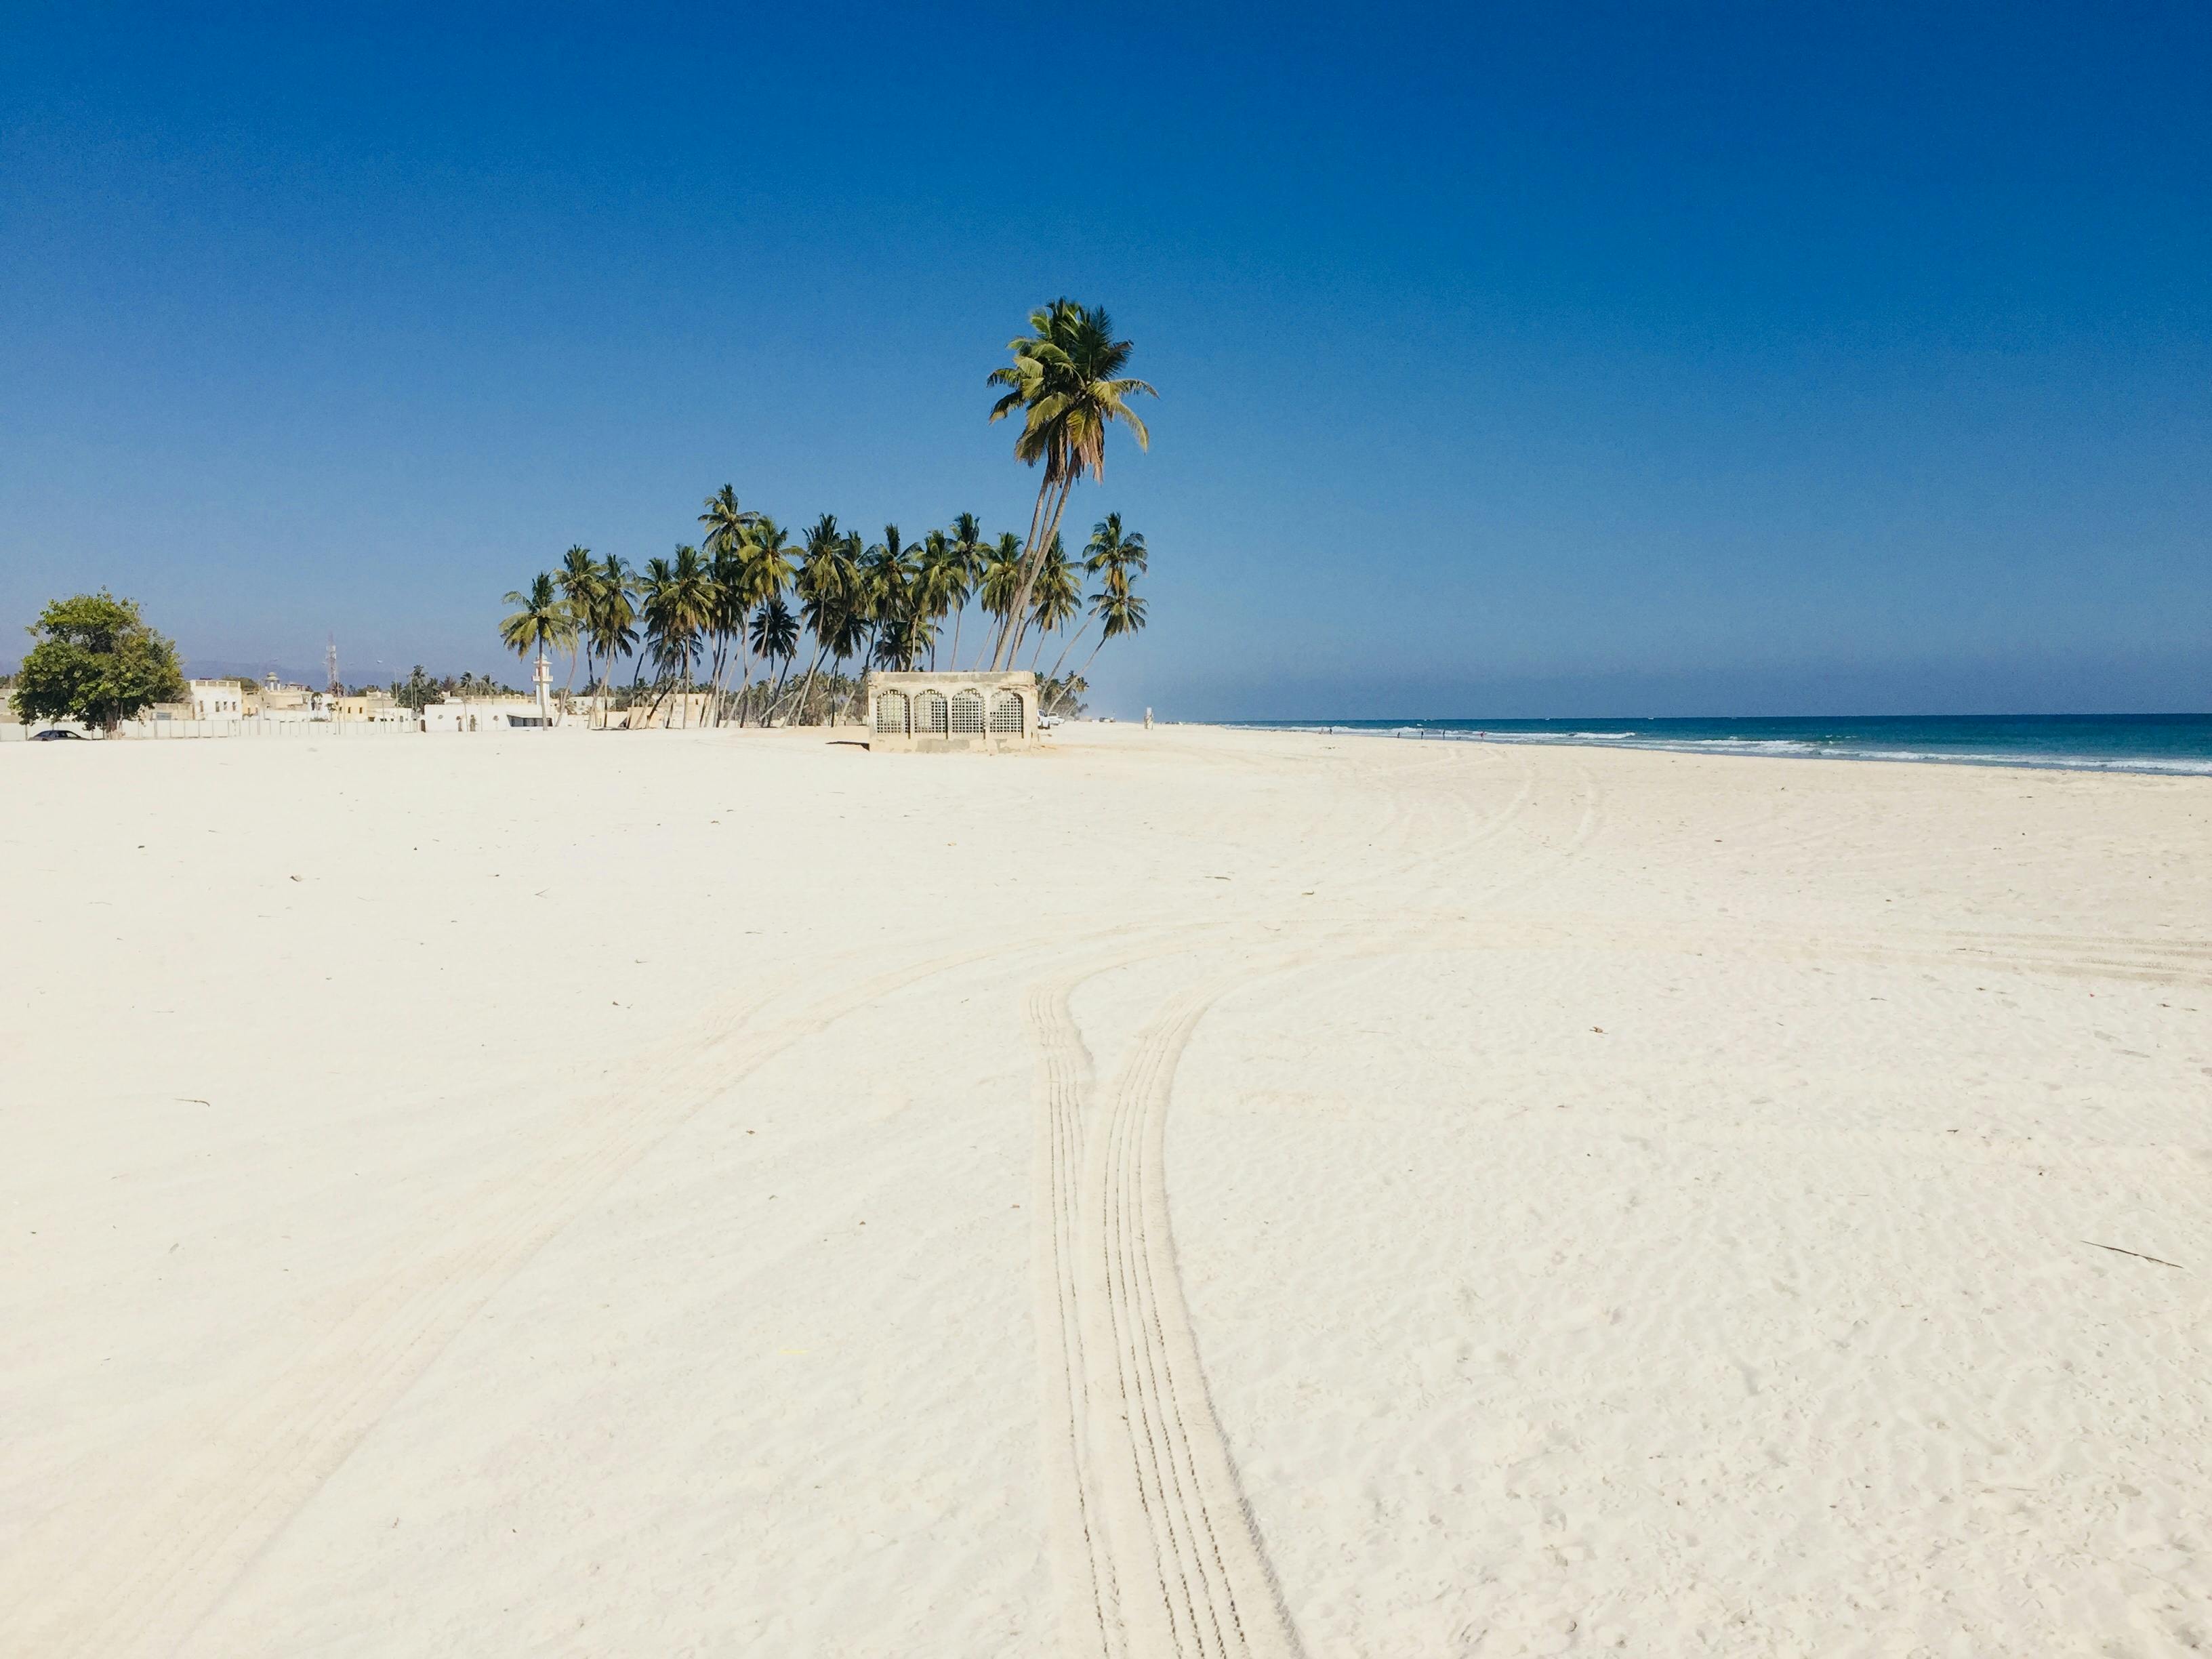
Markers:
point(479, 714)
point(217, 699)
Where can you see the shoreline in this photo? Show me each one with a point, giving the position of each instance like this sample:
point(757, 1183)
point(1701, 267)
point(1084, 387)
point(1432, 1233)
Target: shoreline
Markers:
point(1739, 748)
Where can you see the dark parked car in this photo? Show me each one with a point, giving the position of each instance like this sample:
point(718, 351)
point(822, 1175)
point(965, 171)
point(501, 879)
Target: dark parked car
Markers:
point(49, 737)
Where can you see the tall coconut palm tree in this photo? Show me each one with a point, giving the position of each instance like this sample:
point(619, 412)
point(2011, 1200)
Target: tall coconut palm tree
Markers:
point(578, 579)
point(969, 551)
point(942, 587)
point(724, 620)
point(678, 603)
point(1123, 612)
point(1114, 556)
point(768, 550)
point(542, 620)
point(890, 578)
point(1057, 595)
point(848, 619)
point(1114, 552)
point(886, 574)
point(723, 522)
point(904, 637)
point(1000, 581)
point(825, 583)
point(610, 623)
point(775, 638)
point(1068, 383)
point(655, 611)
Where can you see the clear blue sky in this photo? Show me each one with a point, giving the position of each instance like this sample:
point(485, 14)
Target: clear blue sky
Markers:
point(1673, 359)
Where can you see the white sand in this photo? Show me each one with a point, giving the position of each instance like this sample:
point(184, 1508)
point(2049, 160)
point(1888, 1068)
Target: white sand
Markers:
point(643, 1194)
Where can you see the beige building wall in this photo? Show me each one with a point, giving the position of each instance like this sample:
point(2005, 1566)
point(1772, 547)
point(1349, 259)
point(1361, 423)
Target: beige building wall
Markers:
point(375, 706)
point(951, 713)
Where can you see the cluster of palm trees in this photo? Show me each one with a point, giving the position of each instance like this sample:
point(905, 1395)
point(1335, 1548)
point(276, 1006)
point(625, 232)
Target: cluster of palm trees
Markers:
point(747, 596)
point(712, 617)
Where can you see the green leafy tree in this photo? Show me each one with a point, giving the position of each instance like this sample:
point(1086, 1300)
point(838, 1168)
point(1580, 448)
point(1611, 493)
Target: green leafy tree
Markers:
point(417, 692)
point(96, 661)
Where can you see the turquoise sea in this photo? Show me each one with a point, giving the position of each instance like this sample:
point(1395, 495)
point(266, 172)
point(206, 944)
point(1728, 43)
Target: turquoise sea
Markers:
point(2105, 743)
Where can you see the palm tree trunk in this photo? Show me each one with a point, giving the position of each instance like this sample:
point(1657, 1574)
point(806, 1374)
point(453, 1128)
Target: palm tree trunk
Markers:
point(738, 652)
point(806, 687)
point(1069, 647)
point(853, 698)
point(1052, 530)
point(1036, 513)
point(1018, 617)
point(768, 715)
point(571, 685)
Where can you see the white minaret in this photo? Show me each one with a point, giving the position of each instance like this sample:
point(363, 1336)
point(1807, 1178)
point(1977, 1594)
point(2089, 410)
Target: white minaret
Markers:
point(545, 678)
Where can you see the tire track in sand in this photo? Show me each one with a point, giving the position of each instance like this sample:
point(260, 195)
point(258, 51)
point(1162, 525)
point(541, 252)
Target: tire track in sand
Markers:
point(158, 1574)
point(1083, 1563)
point(1154, 1549)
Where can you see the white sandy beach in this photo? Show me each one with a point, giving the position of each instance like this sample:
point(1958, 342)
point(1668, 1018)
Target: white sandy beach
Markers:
point(1185, 1193)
